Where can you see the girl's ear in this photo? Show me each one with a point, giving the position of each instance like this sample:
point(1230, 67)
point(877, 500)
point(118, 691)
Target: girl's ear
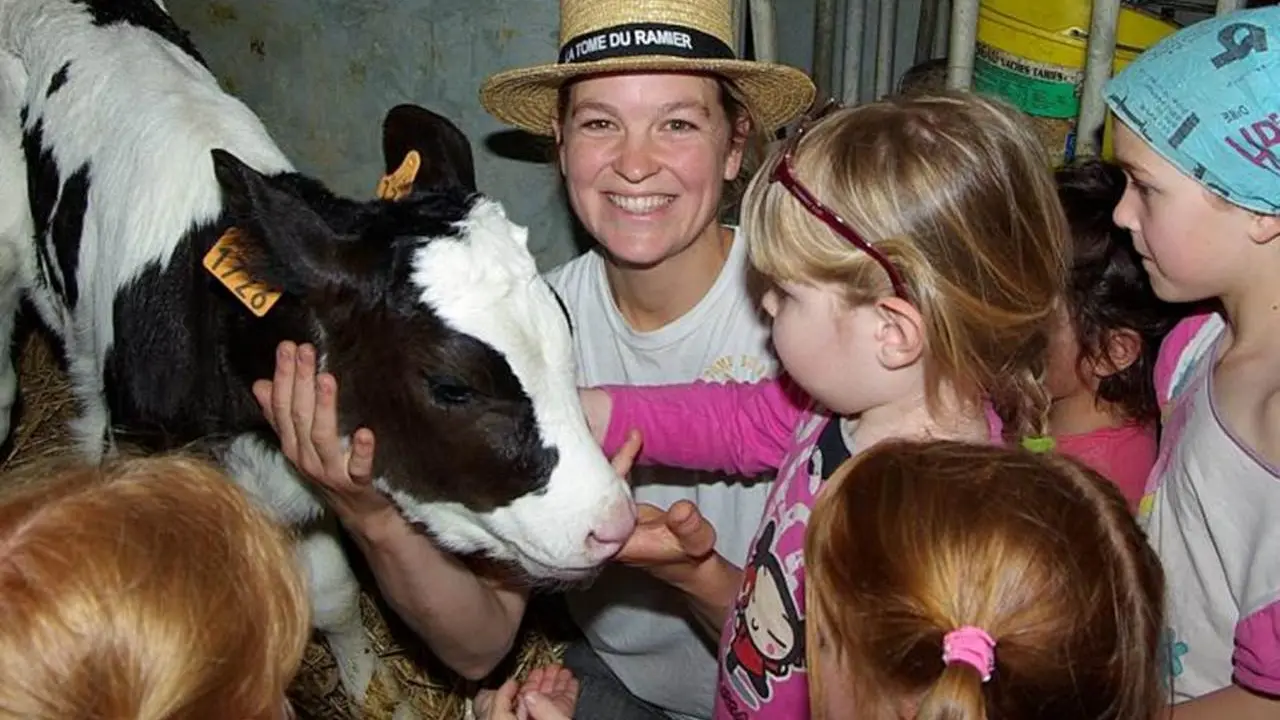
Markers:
point(1265, 228)
point(1121, 350)
point(900, 333)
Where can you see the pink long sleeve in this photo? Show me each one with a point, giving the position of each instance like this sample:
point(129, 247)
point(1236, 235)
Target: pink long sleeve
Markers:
point(740, 428)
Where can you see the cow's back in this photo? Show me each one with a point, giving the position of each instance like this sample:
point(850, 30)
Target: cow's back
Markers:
point(118, 119)
point(127, 120)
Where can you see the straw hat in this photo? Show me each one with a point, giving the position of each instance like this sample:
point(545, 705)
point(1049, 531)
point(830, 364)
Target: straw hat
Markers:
point(608, 36)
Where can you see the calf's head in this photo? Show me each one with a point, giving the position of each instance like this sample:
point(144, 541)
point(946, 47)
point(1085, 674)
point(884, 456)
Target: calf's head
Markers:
point(449, 345)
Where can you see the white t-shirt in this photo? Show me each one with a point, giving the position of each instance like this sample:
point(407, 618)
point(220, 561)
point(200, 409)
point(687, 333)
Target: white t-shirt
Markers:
point(641, 627)
point(1210, 513)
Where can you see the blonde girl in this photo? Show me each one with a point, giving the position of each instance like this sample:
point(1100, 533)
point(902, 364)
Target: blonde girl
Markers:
point(147, 589)
point(917, 249)
point(988, 583)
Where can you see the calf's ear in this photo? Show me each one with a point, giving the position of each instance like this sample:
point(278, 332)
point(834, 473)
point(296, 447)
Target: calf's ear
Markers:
point(289, 243)
point(444, 150)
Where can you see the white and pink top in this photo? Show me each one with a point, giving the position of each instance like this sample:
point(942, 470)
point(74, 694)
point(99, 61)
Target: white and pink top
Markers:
point(1212, 513)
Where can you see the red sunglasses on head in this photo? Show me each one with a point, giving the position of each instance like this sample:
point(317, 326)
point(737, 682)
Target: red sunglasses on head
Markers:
point(784, 173)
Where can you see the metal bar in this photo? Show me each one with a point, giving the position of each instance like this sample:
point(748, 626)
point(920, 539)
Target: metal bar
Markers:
point(961, 46)
point(942, 29)
point(885, 42)
point(1097, 69)
point(855, 17)
point(764, 30)
point(824, 21)
point(1226, 6)
point(740, 27)
point(925, 30)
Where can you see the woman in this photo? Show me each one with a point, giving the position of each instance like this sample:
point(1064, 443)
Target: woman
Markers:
point(652, 118)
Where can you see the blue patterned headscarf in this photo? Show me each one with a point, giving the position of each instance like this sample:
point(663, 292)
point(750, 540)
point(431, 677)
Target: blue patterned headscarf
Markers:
point(1207, 98)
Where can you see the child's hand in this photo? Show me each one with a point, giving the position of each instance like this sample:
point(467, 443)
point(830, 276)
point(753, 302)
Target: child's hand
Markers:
point(548, 693)
point(555, 684)
point(598, 406)
point(672, 544)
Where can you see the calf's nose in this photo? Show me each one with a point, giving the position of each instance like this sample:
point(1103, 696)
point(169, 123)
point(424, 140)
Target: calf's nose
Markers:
point(608, 536)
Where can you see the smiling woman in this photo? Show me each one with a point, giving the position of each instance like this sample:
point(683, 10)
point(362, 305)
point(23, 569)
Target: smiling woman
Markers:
point(645, 159)
point(654, 142)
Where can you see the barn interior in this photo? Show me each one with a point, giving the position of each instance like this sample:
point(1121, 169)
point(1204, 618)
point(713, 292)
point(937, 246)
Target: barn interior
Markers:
point(321, 75)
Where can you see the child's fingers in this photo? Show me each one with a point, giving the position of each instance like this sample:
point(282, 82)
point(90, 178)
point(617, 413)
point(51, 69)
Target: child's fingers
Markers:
point(626, 455)
point(540, 707)
point(551, 682)
point(697, 536)
point(532, 681)
point(566, 685)
point(497, 704)
point(570, 694)
point(557, 679)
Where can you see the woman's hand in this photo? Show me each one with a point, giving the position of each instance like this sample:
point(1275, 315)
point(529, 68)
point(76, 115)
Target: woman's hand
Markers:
point(548, 693)
point(303, 410)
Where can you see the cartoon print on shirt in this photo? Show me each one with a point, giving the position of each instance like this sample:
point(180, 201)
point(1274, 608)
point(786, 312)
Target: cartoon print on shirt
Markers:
point(815, 470)
point(768, 635)
point(762, 670)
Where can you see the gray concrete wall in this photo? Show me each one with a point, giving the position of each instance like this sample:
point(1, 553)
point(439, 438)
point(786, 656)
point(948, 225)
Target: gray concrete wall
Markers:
point(322, 73)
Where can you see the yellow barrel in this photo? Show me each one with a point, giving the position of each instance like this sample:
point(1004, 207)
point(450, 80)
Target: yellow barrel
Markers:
point(1032, 53)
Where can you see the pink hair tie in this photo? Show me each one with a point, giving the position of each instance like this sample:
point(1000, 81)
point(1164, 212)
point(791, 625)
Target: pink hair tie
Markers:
point(971, 645)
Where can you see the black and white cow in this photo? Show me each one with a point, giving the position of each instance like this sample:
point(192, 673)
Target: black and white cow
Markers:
point(123, 163)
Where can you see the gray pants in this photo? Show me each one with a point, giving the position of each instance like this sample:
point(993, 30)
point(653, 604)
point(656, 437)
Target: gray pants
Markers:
point(602, 695)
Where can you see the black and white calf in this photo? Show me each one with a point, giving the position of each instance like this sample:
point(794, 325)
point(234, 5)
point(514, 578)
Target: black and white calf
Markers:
point(124, 163)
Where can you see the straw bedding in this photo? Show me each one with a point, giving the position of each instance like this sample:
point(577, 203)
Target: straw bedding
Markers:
point(45, 406)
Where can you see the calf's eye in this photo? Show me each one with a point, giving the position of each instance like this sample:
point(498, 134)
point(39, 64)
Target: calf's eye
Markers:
point(449, 390)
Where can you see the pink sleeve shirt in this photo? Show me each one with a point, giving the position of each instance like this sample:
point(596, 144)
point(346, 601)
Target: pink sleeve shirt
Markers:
point(733, 427)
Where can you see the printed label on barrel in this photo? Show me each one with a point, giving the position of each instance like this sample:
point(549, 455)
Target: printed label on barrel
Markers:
point(1035, 88)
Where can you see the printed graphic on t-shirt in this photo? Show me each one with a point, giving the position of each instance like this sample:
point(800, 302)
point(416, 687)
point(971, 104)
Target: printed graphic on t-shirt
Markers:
point(766, 647)
point(1171, 651)
point(736, 368)
point(768, 637)
point(1174, 423)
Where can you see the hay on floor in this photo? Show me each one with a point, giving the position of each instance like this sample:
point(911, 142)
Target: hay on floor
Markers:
point(44, 408)
point(433, 692)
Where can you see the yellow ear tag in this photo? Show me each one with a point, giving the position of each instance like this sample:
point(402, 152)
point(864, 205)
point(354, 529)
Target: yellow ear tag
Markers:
point(398, 184)
point(224, 262)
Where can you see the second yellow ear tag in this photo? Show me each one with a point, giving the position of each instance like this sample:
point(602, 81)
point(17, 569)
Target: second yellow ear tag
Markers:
point(224, 262)
point(398, 184)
